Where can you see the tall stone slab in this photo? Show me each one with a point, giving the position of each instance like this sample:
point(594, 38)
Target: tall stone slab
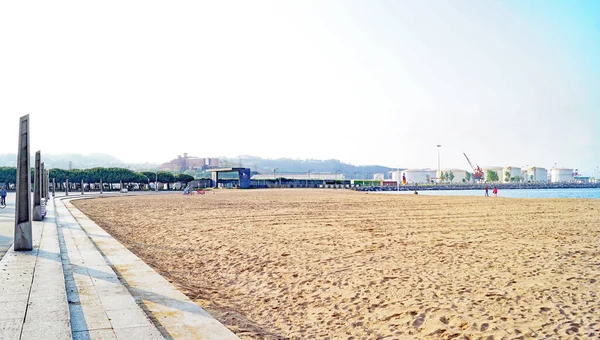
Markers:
point(53, 187)
point(67, 188)
point(101, 186)
point(42, 182)
point(47, 184)
point(82, 188)
point(37, 190)
point(23, 237)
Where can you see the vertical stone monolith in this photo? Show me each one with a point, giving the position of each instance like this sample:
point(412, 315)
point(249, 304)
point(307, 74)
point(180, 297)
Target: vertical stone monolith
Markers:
point(37, 190)
point(53, 187)
point(23, 237)
point(101, 186)
point(82, 188)
point(47, 184)
point(42, 182)
point(67, 188)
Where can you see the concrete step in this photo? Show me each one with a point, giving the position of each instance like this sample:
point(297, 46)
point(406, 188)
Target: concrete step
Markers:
point(175, 314)
point(100, 305)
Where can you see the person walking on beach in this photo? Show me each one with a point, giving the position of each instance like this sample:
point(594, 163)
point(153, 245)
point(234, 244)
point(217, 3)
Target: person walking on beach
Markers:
point(3, 196)
point(495, 192)
point(486, 191)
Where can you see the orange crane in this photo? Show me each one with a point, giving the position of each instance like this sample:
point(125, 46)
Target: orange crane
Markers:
point(477, 172)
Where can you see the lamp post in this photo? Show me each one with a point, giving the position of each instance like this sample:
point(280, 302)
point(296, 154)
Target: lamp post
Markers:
point(309, 171)
point(156, 182)
point(274, 177)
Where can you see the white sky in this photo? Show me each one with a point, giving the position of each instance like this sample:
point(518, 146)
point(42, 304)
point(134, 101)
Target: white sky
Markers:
point(365, 82)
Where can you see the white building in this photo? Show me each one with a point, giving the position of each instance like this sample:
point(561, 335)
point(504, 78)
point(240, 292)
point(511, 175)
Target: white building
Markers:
point(416, 176)
point(513, 171)
point(497, 169)
point(558, 175)
point(379, 177)
point(536, 174)
point(397, 174)
point(459, 175)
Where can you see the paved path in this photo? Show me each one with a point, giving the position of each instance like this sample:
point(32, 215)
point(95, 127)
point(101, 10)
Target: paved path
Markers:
point(7, 224)
point(32, 288)
point(80, 283)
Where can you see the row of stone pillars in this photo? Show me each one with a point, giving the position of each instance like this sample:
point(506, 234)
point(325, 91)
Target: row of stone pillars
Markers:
point(23, 204)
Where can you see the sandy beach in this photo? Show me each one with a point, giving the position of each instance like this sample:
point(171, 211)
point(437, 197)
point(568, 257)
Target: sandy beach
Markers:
point(298, 264)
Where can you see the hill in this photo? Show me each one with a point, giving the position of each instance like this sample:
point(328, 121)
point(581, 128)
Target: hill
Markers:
point(289, 165)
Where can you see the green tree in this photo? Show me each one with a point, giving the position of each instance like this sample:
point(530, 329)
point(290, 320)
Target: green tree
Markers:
point(183, 178)
point(442, 175)
point(450, 176)
point(8, 175)
point(492, 176)
point(464, 180)
point(468, 176)
point(150, 175)
point(166, 177)
point(428, 178)
point(506, 176)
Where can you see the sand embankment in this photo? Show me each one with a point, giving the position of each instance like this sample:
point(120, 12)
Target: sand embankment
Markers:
point(324, 263)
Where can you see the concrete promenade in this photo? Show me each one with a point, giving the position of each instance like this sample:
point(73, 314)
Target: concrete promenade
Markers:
point(80, 283)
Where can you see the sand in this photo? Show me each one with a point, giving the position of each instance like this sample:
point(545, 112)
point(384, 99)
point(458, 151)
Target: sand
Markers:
point(304, 264)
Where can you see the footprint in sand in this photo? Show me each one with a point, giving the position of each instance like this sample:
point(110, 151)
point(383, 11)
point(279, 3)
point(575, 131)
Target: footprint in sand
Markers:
point(419, 321)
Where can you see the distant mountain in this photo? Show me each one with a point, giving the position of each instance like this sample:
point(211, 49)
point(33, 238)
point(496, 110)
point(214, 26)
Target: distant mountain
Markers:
point(258, 164)
point(78, 161)
point(288, 165)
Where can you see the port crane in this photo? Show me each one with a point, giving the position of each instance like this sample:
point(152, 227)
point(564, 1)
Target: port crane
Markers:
point(477, 172)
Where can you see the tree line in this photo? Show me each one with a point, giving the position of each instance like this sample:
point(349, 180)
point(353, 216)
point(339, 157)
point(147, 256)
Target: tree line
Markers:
point(8, 175)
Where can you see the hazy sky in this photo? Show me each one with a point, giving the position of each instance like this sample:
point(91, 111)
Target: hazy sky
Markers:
point(366, 82)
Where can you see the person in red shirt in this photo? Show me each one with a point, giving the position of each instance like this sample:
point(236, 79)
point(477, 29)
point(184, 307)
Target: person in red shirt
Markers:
point(495, 191)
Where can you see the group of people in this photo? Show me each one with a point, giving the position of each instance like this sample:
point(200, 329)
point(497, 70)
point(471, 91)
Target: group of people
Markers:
point(495, 191)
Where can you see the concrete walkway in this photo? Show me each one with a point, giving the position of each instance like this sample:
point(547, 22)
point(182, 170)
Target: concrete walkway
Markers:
point(81, 283)
point(32, 289)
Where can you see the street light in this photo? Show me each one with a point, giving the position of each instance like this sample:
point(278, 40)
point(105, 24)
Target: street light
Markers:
point(309, 171)
point(274, 177)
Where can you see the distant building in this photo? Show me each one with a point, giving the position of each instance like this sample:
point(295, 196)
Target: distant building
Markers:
point(415, 176)
point(537, 174)
point(182, 163)
point(513, 173)
point(459, 175)
point(304, 176)
point(396, 174)
point(497, 169)
point(559, 175)
point(378, 176)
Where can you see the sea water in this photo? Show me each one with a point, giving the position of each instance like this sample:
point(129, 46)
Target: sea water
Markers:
point(513, 193)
